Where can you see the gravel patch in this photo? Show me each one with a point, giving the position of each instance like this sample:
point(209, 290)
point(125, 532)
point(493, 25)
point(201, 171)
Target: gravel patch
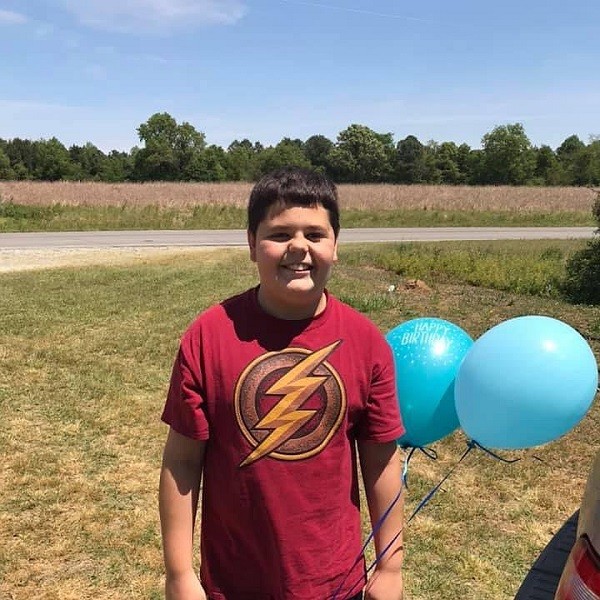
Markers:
point(30, 260)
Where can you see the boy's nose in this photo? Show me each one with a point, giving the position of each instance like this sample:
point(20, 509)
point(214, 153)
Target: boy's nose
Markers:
point(297, 243)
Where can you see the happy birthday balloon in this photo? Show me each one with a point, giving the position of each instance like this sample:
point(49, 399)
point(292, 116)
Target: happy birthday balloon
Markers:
point(427, 355)
point(525, 382)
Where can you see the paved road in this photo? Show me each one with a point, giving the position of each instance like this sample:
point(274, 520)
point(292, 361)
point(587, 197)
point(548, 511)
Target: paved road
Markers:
point(149, 239)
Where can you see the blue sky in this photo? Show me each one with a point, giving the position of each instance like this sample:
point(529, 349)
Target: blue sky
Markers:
point(447, 70)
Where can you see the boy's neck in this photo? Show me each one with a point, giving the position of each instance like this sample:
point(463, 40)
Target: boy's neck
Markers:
point(291, 312)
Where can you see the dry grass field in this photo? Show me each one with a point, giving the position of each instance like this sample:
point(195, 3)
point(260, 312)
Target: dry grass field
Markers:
point(361, 197)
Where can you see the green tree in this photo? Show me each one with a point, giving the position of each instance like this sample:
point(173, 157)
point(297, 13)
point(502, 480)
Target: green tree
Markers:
point(446, 162)
point(508, 156)
point(464, 160)
point(293, 142)
point(208, 165)
point(189, 144)
point(471, 165)
point(169, 148)
point(415, 163)
point(586, 165)
point(286, 152)
point(6, 171)
point(317, 149)
point(88, 161)
point(567, 154)
point(118, 166)
point(22, 157)
point(52, 161)
point(242, 161)
point(361, 155)
point(548, 170)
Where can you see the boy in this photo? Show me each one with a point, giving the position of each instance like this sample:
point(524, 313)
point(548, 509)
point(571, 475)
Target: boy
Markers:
point(269, 393)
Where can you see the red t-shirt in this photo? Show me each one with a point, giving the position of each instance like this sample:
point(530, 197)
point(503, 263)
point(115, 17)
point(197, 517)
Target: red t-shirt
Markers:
point(281, 403)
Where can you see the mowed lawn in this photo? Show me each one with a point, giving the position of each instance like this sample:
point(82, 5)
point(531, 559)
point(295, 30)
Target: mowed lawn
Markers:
point(85, 357)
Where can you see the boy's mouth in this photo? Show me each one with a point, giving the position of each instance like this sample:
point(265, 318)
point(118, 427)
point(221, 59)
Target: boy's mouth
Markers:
point(298, 267)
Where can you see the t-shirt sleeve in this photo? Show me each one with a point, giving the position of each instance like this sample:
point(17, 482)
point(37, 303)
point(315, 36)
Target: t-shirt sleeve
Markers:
point(382, 421)
point(184, 409)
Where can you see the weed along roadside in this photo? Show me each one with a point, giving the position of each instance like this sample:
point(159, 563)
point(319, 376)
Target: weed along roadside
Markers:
point(85, 354)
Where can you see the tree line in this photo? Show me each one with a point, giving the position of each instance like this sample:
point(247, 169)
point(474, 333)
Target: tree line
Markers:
point(171, 151)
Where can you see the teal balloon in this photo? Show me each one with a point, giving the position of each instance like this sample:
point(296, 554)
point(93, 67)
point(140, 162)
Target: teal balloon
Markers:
point(427, 355)
point(525, 382)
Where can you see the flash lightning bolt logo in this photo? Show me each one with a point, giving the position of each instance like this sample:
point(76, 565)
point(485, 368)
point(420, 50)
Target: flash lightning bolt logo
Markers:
point(286, 417)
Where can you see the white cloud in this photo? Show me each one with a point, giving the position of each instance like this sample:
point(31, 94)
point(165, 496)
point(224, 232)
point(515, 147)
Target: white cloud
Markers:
point(96, 72)
point(8, 17)
point(44, 30)
point(154, 15)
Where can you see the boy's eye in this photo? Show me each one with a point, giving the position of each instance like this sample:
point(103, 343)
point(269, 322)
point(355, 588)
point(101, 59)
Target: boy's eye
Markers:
point(283, 236)
point(279, 236)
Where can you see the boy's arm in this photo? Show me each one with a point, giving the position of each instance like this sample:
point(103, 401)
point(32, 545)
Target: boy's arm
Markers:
point(181, 473)
point(381, 467)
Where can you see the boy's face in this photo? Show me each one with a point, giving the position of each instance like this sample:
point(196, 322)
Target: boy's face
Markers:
point(294, 249)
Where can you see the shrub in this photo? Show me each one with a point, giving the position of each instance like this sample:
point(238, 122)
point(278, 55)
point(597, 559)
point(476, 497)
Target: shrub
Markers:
point(596, 209)
point(582, 281)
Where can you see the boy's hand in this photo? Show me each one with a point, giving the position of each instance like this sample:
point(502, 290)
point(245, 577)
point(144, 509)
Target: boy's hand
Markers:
point(385, 585)
point(184, 587)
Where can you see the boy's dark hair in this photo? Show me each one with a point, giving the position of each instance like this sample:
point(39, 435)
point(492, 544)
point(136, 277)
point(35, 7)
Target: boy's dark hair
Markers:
point(293, 186)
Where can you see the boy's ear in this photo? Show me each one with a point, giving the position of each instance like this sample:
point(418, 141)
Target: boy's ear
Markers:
point(335, 249)
point(252, 245)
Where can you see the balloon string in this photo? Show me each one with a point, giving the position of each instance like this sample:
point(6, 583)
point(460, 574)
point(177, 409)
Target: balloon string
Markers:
point(430, 453)
point(420, 506)
point(475, 444)
point(376, 528)
point(432, 492)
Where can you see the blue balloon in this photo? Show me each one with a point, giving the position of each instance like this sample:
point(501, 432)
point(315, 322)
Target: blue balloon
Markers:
point(525, 382)
point(427, 355)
